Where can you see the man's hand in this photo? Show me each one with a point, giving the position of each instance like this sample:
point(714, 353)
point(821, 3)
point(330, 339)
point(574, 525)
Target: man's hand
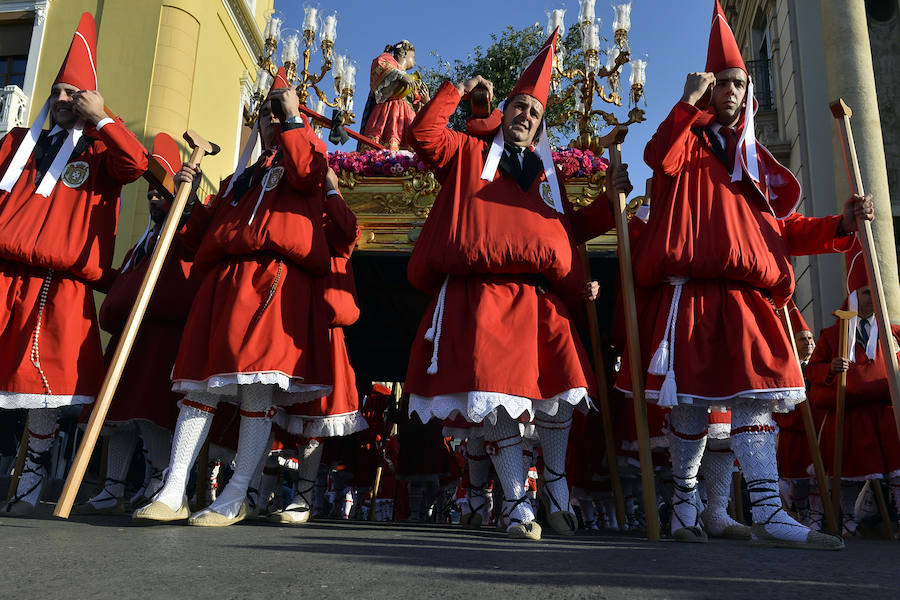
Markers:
point(617, 181)
point(857, 207)
point(331, 181)
point(188, 173)
point(839, 365)
point(697, 86)
point(591, 290)
point(290, 102)
point(467, 86)
point(88, 105)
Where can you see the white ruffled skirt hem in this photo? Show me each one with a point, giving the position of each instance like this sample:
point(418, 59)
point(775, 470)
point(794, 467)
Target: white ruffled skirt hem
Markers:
point(14, 400)
point(290, 390)
point(330, 426)
point(779, 400)
point(477, 406)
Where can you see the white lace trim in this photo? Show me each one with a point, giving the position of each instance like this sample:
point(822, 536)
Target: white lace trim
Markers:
point(12, 400)
point(781, 400)
point(227, 385)
point(330, 426)
point(476, 406)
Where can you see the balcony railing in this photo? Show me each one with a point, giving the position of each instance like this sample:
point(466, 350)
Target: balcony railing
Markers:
point(761, 74)
point(13, 103)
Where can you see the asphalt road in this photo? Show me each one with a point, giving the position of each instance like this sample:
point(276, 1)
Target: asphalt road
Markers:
point(109, 558)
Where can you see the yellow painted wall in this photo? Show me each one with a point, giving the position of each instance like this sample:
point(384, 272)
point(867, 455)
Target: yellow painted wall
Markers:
point(164, 65)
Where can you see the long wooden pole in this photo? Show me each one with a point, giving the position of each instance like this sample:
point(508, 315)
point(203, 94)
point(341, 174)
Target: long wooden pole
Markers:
point(842, 114)
point(634, 350)
point(840, 407)
point(200, 148)
point(603, 396)
point(812, 439)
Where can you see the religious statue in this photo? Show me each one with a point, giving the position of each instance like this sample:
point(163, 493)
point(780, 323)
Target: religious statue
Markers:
point(394, 96)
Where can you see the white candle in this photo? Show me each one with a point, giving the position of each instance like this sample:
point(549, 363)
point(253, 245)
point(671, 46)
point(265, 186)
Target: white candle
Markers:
point(273, 26)
point(611, 55)
point(349, 78)
point(586, 13)
point(590, 37)
point(290, 48)
point(263, 81)
point(329, 28)
point(321, 107)
point(623, 17)
point(310, 20)
point(555, 18)
point(638, 72)
point(337, 71)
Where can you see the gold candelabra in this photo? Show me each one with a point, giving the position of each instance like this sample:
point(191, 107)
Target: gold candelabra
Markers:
point(592, 79)
point(307, 81)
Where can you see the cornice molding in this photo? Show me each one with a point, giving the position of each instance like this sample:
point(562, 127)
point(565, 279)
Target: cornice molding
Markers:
point(246, 26)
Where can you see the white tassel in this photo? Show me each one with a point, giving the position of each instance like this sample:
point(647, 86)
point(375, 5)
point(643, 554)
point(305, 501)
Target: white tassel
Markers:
point(668, 393)
point(659, 364)
point(432, 368)
point(429, 334)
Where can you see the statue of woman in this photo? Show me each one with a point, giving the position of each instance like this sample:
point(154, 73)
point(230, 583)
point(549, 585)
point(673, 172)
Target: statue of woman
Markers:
point(394, 96)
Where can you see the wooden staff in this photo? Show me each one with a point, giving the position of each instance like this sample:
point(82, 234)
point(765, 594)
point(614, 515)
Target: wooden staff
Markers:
point(842, 113)
point(809, 425)
point(201, 148)
point(844, 341)
point(888, 527)
point(19, 465)
point(603, 396)
point(396, 392)
point(633, 335)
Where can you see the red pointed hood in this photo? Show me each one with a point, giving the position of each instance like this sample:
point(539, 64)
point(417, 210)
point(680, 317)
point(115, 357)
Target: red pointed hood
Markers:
point(798, 323)
point(79, 68)
point(723, 52)
point(166, 153)
point(280, 82)
point(535, 81)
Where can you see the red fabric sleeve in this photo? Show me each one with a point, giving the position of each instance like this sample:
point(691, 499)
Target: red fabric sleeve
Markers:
point(125, 158)
point(814, 235)
point(594, 219)
point(304, 157)
point(341, 228)
point(667, 149)
point(428, 134)
point(201, 216)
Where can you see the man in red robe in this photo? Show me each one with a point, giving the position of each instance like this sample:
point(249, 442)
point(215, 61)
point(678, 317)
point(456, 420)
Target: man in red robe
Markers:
point(59, 203)
point(871, 448)
point(144, 403)
point(498, 344)
point(256, 335)
point(715, 262)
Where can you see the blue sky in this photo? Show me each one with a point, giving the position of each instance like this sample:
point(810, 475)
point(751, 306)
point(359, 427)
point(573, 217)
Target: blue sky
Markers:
point(673, 33)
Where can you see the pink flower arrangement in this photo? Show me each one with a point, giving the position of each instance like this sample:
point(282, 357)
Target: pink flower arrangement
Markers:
point(570, 162)
point(375, 163)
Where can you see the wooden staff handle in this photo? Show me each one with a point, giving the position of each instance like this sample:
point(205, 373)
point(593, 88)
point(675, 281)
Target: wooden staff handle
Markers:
point(603, 395)
point(809, 425)
point(19, 464)
point(634, 350)
point(842, 114)
point(844, 342)
point(200, 148)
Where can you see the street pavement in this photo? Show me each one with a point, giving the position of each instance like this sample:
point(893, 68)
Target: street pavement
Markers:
point(108, 557)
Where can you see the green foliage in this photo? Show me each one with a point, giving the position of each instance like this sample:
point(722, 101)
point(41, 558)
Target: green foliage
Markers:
point(502, 63)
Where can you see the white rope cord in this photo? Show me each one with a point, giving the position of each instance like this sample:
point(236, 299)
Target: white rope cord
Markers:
point(433, 334)
point(663, 361)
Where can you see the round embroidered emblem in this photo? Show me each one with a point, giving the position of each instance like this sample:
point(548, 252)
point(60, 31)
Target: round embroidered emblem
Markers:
point(546, 194)
point(274, 176)
point(76, 173)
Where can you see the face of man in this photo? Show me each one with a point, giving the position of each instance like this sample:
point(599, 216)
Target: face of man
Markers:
point(728, 96)
point(158, 206)
point(267, 122)
point(864, 297)
point(805, 344)
point(521, 120)
point(61, 105)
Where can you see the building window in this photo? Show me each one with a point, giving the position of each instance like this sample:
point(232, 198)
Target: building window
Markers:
point(760, 73)
point(12, 70)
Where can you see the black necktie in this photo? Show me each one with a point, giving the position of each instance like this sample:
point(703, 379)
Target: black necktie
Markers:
point(49, 147)
point(730, 145)
point(862, 332)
